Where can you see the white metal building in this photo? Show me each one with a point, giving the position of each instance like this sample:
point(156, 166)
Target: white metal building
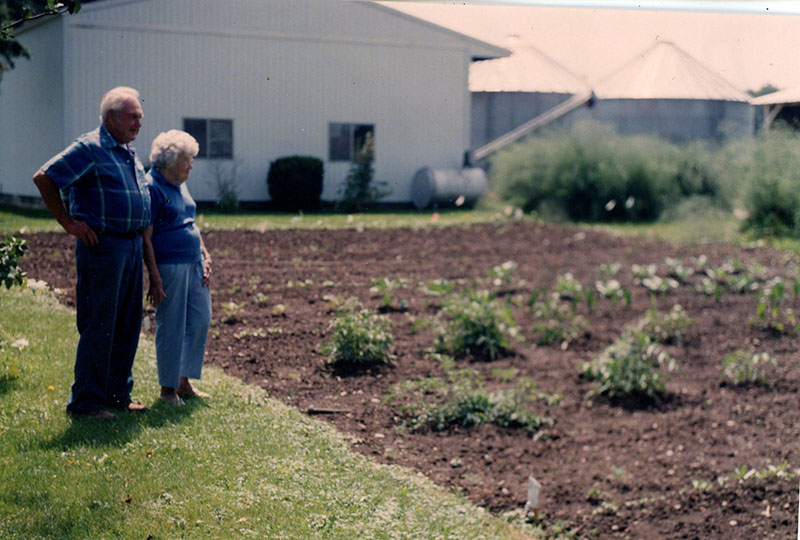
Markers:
point(508, 92)
point(783, 106)
point(254, 80)
point(664, 91)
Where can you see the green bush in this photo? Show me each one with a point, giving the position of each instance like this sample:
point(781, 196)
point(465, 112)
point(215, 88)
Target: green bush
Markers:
point(772, 172)
point(295, 183)
point(629, 368)
point(591, 174)
point(11, 250)
point(360, 338)
point(478, 325)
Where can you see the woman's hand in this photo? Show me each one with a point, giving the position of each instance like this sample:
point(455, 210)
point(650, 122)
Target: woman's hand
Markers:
point(206, 269)
point(155, 293)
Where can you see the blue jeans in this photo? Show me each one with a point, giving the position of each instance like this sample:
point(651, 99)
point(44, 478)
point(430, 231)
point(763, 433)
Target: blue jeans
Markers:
point(109, 317)
point(182, 322)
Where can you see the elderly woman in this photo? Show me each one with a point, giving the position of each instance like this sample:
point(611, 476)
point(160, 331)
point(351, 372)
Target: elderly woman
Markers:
point(179, 267)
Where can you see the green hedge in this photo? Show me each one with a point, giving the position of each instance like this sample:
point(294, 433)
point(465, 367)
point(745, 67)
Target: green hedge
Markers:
point(295, 183)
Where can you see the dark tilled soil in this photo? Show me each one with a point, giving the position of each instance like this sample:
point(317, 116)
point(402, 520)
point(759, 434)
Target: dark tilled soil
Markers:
point(610, 469)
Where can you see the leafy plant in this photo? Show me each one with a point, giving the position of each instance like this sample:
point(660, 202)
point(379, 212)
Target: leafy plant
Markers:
point(667, 328)
point(608, 270)
point(385, 289)
point(359, 193)
point(569, 288)
point(359, 338)
point(438, 287)
point(743, 368)
point(630, 367)
point(642, 272)
point(11, 251)
point(660, 285)
point(676, 270)
point(226, 180)
point(614, 291)
point(461, 400)
point(771, 313)
point(478, 325)
point(503, 273)
point(557, 321)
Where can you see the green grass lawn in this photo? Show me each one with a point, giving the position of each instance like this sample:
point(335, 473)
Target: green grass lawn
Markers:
point(239, 465)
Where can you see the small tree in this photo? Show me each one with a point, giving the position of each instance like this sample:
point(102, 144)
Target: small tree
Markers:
point(226, 180)
point(359, 193)
point(14, 13)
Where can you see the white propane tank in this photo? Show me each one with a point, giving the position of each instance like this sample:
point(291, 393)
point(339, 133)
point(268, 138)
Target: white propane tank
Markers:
point(448, 187)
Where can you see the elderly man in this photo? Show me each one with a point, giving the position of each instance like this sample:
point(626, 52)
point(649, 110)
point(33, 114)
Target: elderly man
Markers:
point(109, 206)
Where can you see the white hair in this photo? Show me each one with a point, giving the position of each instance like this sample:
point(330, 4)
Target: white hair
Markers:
point(116, 99)
point(168, 146)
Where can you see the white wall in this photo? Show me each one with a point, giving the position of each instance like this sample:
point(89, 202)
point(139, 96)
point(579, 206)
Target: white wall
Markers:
point(32, 109)
point(281, 70)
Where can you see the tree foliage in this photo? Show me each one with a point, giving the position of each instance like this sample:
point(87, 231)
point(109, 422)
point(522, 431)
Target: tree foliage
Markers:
point(14, 13)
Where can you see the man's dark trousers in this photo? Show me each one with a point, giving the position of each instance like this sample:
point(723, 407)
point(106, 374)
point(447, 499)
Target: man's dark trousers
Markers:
point(109, 315)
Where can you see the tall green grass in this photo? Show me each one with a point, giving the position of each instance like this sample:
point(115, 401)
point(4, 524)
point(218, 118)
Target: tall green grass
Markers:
point(239, 465)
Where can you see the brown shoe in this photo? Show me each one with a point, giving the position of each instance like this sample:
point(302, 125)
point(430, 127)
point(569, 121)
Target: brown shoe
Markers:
point(98, 414)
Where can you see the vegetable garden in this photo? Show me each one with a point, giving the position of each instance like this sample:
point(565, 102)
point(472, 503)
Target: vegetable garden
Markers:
point(651, 389)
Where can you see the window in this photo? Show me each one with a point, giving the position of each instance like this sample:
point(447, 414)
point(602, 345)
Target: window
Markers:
point(215, 137)
point(345, 140)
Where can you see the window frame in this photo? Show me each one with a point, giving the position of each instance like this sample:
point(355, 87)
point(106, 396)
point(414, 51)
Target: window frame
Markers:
point(207, 143)
point(356, 133)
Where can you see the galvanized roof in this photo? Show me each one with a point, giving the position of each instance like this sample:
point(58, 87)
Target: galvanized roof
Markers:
point(664, 71)
point(526, 70)
point(789, 95)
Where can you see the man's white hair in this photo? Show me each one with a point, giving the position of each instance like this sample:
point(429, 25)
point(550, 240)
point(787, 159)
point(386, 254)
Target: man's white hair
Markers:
point(115, 100)
point(170, 145)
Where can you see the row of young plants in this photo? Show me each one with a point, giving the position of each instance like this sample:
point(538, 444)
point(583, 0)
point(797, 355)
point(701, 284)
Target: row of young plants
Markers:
point(479, 323)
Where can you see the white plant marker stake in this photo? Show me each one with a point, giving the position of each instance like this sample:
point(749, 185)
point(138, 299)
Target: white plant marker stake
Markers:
point(533, 497)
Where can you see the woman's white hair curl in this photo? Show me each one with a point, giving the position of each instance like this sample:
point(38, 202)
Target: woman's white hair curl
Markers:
point(115, 100)
point(168, 146)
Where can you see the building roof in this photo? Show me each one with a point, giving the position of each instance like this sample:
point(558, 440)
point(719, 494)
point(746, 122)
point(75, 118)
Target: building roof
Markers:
point(789, 95)
point(664, 71)
point(526, 70)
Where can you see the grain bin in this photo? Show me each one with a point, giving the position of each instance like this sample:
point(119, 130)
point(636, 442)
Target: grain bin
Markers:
point(448, 187)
